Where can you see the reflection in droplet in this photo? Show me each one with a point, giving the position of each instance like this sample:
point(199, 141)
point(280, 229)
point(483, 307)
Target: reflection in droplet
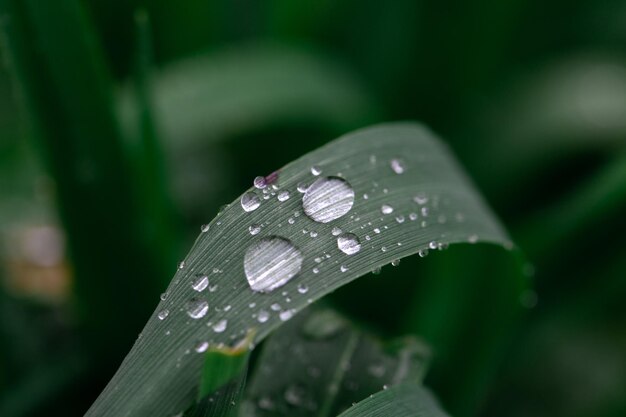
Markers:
point(271, 262)
point(348, 243)
point(328, 199)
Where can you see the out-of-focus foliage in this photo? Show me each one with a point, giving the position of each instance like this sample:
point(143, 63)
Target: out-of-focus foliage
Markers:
point(138, 119)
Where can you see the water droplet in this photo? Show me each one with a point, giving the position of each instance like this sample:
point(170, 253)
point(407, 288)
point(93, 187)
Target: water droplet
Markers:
point(201, 347)
point(270, 263)
point(260, 182)
point(283, 195)
point(313, 233)
point(181, 264)
point(200, 283)
point(348, 243)
point(254, 229)
point(163, 314)
point(413, 217)
point(395, 262)
point(336, 231)
point(303, 289)
point(302, 187)
point(377, 271)
point(422, 253)
point(263, 316)
point(400, 219)
point(204, 228)
point(386, 209)
point(397, 166)
point(316, 170)
point(328, 199)
point(291, 220)
point(163, 296)
point(220, 326)
point(424, 211)
point(432, 245)
point(472, 239)
point(275, 307)
point(343, 268)
point(421, 199)
point(365, 196)
point(286, 315)
point(316, 270)
point(384, 249)
point(376, 230)
point(250, 201)
point(196, 309)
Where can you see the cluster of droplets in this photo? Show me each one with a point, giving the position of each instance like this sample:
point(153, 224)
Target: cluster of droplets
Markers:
point(272, 261)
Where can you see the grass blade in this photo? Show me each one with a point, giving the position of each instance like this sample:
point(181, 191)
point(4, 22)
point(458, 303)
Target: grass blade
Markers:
point(404, 400)
point(400, 165)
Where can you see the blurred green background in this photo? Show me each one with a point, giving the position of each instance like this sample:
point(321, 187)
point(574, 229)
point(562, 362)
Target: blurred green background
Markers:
point(125, 125)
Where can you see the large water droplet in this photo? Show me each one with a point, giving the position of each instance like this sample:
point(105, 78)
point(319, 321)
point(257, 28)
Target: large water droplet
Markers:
point(328, 199)
point(250, 201)
point(196, 309)
point(348, 243)
point(200, 283)
point(271, 262)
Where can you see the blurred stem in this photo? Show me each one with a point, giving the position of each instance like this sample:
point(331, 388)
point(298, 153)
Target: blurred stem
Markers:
point(60, 73)
point(602, 196)
point(158, 220)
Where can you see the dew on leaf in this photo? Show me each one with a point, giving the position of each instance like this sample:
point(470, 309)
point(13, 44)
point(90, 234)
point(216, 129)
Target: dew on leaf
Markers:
point(271, 262)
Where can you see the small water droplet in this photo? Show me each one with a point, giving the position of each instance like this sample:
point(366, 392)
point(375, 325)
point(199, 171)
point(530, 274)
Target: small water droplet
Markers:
point(204, 228)
point(384, 249)
point(424, 211)
point(472, 239)
point(400, 219)
point(422, 253)
point(275, 307)
point(395, 262)
point(343, 268)
point(421, 199)
point(302, 187)
point(163, 314)
point(271, 262)
point(376, 230)
point(220, 326)
point(303, 289)
point(316, 170)
point(163, 296)
point(413, 217)
point(377, 270)
point(263, 316)
point(397, 166)
point(181, 264)
point(348, 243)
point(196, 309)
point(260, 182)
point(201, 347)
point(316, 270)
point(286, 315)
point(250, 201)
point(200, 283)
point(432, 245)
point(254, 229)
point(336, 231)
point(386, 209)
point(283, 195)
point(328, 199)
point(313, 233)
point(291, 220)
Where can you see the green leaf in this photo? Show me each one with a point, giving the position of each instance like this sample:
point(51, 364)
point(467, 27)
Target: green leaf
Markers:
point(433, 205)
point(318, 364)
point(410, 400)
